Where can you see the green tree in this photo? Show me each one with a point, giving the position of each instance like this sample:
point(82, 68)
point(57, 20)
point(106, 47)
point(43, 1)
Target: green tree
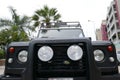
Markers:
point(45, 15)
point(12, 34)
point(4, 37)
point(22, 23)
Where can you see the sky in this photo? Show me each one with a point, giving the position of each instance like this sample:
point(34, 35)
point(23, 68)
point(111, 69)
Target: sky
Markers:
point(71, 10)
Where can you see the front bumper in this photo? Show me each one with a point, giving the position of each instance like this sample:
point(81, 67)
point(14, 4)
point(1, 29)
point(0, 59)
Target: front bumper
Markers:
point(108, 77)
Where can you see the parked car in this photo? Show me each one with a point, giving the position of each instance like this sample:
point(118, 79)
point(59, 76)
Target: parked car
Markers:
point(61, 52)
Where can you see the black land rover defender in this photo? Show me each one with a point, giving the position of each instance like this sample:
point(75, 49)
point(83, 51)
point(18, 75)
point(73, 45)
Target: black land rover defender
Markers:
point(61, 53)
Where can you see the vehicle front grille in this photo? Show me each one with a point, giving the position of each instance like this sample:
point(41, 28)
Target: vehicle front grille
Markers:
point(60, 64)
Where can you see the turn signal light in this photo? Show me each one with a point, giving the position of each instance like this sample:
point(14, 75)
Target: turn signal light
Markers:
point(11, 49)
point(110, 48)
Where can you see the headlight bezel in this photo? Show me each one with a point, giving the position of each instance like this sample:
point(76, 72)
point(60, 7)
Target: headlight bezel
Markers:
point(21, 53)
point(69, 52)
point(96, 51)
point(39, 54)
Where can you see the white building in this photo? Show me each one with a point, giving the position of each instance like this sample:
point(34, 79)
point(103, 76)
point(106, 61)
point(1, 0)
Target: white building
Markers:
point(113, 23)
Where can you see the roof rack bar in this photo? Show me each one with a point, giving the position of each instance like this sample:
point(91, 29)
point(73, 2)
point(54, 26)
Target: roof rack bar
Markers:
point(63, 24)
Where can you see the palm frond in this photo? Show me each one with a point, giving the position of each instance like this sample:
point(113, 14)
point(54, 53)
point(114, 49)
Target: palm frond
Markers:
point(43, 13)
point(38, 12)
point(46, 9)
point(15, 16)
point(35, 17)
point(57, 17)
point(24, 21)
point(5, 22)
point(36, 24)
point(52, 11)
point(46, 20)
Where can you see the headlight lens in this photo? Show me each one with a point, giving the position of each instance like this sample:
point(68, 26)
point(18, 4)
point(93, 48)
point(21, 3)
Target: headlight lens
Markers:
point(99, 55)
point(22, 56)
point(75, 52)
point(45, 53)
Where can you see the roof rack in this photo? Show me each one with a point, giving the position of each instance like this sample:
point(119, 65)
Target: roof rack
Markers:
point(62, 24)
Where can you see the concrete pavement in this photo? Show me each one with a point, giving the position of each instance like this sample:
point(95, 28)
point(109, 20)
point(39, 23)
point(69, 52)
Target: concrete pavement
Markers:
point(2, 69)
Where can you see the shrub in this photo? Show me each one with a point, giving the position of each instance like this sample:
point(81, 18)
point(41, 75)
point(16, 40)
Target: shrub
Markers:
point(2, 54)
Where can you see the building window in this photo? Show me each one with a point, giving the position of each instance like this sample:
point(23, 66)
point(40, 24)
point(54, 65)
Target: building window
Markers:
point(110, 40)
point(117, 24)
point(116, 17)
point(111, 20)
point(105, 29)
point(119, 35)
point(114, 37)
point(107, 19)
point(113, 28)
point(114, 7)
point(110, 11)
point(108, 26)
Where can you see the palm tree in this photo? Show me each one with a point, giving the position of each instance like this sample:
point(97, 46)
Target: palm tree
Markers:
point(21, 22)
point(45, 15)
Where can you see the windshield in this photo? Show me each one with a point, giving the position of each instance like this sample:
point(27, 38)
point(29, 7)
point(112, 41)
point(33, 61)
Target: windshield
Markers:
point(67, 33)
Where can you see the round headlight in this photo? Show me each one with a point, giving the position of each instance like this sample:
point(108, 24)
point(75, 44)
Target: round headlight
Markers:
point(22, 56)
point(45, 53)
point(75, 52)
point(98, 55)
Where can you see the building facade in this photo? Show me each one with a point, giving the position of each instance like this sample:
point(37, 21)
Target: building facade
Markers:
point(98, 34)
point(101, 34)
point(104, 30)
point(113, 23)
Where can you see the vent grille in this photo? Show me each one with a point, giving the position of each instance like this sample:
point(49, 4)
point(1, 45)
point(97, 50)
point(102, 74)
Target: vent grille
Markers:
point(60, 63)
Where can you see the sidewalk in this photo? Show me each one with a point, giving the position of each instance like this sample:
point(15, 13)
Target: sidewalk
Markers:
point(2, 69)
